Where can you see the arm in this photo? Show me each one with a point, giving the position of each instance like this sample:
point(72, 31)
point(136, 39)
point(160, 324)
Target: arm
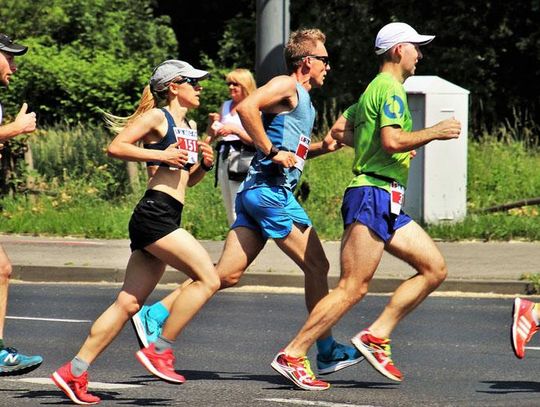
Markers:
point(198, 171)
point(343, 131)
point(395, 140)
point(123, 146)
point(277, 92)
point(327, 145)
point(24, 123)
point(232, 129)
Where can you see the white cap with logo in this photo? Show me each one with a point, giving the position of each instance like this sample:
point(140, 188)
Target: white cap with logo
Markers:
point(396, 33)
point(172, 69)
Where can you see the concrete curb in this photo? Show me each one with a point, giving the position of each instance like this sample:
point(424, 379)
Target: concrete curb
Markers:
point(59, 274)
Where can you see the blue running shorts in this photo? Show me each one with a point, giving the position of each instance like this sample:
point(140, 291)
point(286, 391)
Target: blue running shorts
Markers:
point(269, 210)
point(370, 206)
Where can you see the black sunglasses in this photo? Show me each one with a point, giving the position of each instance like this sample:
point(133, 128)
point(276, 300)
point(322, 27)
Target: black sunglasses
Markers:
point(325, 59)
point(192, 81)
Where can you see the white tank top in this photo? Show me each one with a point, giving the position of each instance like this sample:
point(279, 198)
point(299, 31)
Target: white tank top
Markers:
point(228, 118)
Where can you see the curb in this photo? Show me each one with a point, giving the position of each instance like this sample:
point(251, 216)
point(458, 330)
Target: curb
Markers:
point(60, 274)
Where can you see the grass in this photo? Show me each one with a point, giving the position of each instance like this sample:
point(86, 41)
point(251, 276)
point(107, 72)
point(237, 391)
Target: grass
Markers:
point(86, 196)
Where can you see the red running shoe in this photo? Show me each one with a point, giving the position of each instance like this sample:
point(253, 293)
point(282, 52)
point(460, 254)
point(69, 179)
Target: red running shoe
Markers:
point(74, 387)
point(523, 326)
point(377, 351)
point(298, 371)
point(160, 364)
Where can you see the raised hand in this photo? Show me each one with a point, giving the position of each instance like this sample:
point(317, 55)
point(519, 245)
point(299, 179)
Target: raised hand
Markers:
point(26, 122)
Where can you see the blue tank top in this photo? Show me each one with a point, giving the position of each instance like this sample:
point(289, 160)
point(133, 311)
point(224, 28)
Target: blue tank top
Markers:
point(166, 141)
point(288, 131)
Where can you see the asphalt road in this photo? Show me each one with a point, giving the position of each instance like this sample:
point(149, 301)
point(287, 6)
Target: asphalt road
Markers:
point(453, 352)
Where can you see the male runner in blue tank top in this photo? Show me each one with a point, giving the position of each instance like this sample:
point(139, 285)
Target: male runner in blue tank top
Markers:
point(265, 204)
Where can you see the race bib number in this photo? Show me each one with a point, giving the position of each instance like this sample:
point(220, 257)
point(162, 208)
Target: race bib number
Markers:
point(397, 193)
point(187, 139)
point(302, 152)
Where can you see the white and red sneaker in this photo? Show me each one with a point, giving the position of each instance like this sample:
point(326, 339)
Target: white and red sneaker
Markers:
point(377, 351)
point(74, 387)
point(523, 326)
point(160, 364)
point(298, 371)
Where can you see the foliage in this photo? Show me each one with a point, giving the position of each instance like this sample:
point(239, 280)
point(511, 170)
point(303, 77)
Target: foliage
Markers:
point(84, 55)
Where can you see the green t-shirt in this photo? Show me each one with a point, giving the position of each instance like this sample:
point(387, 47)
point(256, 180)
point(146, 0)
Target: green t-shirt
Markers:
point(383, 103)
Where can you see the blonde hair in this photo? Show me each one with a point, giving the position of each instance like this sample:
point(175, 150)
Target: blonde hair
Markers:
point(301, 43)
point(244, 78)
point(149, 100)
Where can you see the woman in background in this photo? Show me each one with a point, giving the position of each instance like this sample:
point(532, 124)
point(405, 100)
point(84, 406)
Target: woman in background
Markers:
point(235, 148)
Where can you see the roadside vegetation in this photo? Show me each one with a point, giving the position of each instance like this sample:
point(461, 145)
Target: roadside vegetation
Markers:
point(77, 190)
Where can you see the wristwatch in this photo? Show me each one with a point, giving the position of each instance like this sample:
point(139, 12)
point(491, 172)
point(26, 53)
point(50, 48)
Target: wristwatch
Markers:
point(205, 167)
point(273, 152)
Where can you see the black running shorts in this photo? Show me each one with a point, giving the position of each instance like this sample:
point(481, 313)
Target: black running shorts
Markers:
point(156, 215)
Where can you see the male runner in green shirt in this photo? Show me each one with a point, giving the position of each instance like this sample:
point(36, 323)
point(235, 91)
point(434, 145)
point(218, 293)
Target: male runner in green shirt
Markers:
point(379, 128)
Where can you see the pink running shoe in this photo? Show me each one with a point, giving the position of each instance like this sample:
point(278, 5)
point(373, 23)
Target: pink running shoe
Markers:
point(377, 351)
point(523, 326)
point(160, 364)
point(74, 387)
point(298, 371)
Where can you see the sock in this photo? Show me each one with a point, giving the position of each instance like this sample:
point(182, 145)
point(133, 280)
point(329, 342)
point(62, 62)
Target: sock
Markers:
point(324, 346)
point(78, 366)
point(162, 344)
point(535, 314)
point(158, 313)
point(2, 344)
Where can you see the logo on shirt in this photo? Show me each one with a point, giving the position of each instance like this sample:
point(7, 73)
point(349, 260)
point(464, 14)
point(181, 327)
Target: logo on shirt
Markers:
point(394, 107)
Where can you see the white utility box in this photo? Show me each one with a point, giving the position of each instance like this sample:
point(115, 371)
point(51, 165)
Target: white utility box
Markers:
point(437, 187)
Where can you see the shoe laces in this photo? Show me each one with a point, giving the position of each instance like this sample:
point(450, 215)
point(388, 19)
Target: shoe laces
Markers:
point(384, 348)
point(81, 382)
point(11, 350)
point(303, 362)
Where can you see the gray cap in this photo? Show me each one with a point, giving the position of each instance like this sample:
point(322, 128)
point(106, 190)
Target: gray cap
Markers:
point(8, 46)
point(172, 69)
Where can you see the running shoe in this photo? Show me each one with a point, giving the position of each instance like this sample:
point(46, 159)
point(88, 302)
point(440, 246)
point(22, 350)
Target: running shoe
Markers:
point(377, 351)
point(76, 388)
point(523, 326)
point(298, 371)
point(340, 357)
point(14, 363)
point(146, 328)
point(160, 364)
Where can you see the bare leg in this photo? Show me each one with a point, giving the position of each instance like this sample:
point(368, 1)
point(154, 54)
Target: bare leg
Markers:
point(413, 245)
point(360, 255)
point(183, 252)
point(142, 274)
point(241, 247)
point(5, 274)
point(305, 249)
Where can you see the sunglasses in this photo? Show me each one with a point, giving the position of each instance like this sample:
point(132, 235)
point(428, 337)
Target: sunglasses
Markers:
point(324, 59)
point(232, 83)
point(191, 81)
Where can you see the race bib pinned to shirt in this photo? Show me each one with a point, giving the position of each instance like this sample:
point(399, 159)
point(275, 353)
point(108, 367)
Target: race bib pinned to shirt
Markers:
point(187, 139)
point(397, 193)
point(302, 151)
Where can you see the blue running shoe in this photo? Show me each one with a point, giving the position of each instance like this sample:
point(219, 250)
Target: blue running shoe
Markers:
point(146, 328)
point(342, 356)
point(14, 363)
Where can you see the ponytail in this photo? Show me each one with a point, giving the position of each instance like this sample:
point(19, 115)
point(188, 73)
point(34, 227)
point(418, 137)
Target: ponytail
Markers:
point(148, 101)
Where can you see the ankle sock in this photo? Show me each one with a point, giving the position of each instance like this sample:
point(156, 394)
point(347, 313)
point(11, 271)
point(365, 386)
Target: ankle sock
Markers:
point(162, 344)
point(158, 312)
point(78, 366)
point(325, 346)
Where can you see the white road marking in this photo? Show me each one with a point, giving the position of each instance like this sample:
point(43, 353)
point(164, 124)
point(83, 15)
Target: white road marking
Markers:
point(532, 347)
point(315, 403)
point(51, 319)
point(93, 385)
